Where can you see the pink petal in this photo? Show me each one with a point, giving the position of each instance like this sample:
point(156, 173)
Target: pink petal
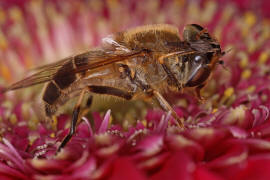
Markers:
point(192, 148)
point(105, 123)
point(178, 166)
point(255, 169)
point(150, 145)
point(163, 123)
point(208, 137)
point(11, 173)
point(154, 162)
point(124, 168)
point(261, 114)
point(14, 156)
point(86, 169)
point(105, 152)
point(89, 126)
point(202, 173)
point(238, 132)
point(233, 155)
point(78, 162)
point(50, 166)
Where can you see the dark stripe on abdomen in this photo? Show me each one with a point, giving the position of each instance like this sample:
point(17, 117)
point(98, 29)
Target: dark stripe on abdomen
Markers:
point(81, 60)
point(51, 94)
point(65, 75)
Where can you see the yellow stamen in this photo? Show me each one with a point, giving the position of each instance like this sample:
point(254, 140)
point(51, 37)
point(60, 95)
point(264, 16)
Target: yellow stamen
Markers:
point(250, 18)
point(54, 122)
point(263, 57)
point(110, 120)
point(3, 41)
point(15, 13)
point(5, 73)
point(264, 97)
point(2, 16)
point(237, 115)
point(252, 45)
point(52, 135)
point(214, 110)
point(13, 119)
point(229, 92)
point(32, 138)
point(243, 59)
point(208, 11)
point(28, 60)
point(251, 89)
point(246, 74)
point(144, 122)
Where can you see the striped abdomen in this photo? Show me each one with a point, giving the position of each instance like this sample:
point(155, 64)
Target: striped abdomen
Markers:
point(57, 91)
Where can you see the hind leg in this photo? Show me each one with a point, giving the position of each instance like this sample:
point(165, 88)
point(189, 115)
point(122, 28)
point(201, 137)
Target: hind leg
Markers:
point(74, 120)
point(76, 112)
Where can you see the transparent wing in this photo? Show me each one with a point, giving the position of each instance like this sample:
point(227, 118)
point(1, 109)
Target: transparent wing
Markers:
point(90, 60)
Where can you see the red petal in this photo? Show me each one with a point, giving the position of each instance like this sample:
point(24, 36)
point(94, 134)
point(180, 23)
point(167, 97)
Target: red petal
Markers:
point(49, 166)
point(86, 169)
point(255, 169)
point(178, 166)
point(124, 168)
point(202, 173)
point(12, 173)
point(178, 142)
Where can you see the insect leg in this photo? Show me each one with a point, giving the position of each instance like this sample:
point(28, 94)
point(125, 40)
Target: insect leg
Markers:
point(111, 91)
point(86, 107)
point(95, 89)
point(167, 107)
point(198, 92)
point(89, 101)
point(149, 91)
point(172, 77)
point(75, 116)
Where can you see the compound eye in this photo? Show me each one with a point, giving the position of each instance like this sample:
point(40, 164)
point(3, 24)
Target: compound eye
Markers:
point(198, 77)
point(198, 59)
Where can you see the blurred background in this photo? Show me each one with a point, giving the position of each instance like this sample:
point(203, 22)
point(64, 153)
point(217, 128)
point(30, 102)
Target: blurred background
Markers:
point(36, 32)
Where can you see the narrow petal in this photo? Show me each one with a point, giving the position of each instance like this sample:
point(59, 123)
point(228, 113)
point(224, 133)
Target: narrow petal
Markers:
point(105, 123)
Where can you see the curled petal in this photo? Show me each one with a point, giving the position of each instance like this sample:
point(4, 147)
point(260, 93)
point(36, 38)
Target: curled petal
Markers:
point(150, 145)
point(88, 125)
point(238, 132)
point(105, 123)
point(49, 166)
point(163, 123)
point(86, 169)
point(153, 162)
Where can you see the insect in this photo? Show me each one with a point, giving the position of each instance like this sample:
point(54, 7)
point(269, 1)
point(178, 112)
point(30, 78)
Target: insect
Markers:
point(141, 62)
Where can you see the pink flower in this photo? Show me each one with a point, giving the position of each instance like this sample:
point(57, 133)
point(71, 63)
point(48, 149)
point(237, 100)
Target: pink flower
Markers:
point(227, 137)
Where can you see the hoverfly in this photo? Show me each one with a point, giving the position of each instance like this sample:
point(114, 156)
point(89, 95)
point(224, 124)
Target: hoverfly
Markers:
point(137, 63)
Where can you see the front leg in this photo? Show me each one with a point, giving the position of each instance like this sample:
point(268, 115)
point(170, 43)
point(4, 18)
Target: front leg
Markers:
point(166, 106)
point(198, 93)
point(150, 92)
